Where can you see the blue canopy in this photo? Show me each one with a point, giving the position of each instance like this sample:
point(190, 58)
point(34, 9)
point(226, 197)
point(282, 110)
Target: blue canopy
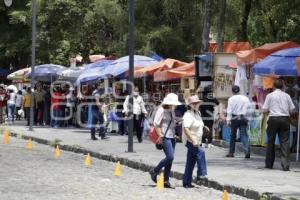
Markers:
point(47, 72)
point(280, 63)
point(4, 72)
point(90, 75)
point(100, 63)
point(121, 65)
point(157, 57)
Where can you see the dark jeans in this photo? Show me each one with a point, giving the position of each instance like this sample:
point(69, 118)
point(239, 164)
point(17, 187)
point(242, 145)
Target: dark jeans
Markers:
point(166, 163)
point(55, 121)
point(122, 124)
point(18, 117)
point(39, 113)
point(69, 115)
point(11, 112)
point(194, 154)
point(137, 126)
point(207, 136)
point(97, 117)
point(2, 115)
point(241, 124)
point(27, 113)
point(280, 125)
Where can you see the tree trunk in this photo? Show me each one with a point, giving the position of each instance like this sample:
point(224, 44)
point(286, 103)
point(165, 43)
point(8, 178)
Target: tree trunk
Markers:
point(221, 25)
point(242, 32)
point(206, 25)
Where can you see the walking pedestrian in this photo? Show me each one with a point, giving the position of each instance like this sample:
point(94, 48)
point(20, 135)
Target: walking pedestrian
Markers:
point(193, 132)
point(3, 102)
point(56, 101)
point(280, 106)
point(70, 106)
point(11, 105)
point(39, 105)
point(207, 109)
point(27, 105)
point(97, 114)
point(139, 112)
point(122, 122)
point(237, 111)
point(19, 102)
point(164, 122)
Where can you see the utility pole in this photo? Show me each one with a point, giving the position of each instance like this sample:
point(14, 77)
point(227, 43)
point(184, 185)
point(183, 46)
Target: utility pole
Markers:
point(131, 71)
point(33, 44)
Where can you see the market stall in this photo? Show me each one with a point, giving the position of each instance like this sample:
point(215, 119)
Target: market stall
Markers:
point(284, 64)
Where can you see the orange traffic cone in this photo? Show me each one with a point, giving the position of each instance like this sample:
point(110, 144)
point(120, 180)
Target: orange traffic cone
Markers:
point(29, 145)
point(6, 137)
point(57, 152)
point(160, 183)
point(118, 169)
point(225, 195)
point(88, 161)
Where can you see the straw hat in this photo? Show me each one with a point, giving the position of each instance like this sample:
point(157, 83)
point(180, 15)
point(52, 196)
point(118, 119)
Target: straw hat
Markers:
point(171, 99)
point(193, 99)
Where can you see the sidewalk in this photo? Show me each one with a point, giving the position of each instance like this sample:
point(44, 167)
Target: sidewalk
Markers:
point(237, 172)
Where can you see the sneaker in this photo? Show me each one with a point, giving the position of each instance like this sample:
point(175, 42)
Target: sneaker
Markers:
point(153, 175)
point(187, 186)
point(167, 184)
point(247, 156)
point(230, 155)
point(94, 138)
point(105, 138)
point(286, 169)
point(267, 167)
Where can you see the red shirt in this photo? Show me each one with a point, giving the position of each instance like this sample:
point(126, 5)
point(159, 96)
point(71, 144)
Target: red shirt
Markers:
point(56, 98)
point(3, 99)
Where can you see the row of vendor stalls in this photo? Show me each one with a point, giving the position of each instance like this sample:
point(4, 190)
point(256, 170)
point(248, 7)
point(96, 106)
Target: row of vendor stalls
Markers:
point(239, 64)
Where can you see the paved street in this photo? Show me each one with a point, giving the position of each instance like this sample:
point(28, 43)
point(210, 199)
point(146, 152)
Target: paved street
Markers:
point(37, 174)
point(248, 174)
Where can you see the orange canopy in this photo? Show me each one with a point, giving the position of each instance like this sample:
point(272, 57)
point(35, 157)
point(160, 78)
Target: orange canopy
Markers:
point(259, 53)
point(162, 65)
point(187, 70)
point(230, 47)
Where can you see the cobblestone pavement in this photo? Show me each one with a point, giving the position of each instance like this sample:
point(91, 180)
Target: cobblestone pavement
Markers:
point(36, 174)
point(239, 172)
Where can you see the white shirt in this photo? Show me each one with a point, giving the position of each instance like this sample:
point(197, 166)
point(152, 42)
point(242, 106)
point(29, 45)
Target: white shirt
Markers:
point(162, 119)
point(70, 100)
point(138, 105)
point(193, 121)
point(19, 100)
point(12, 99)
point(238, 105)
point(278, 103)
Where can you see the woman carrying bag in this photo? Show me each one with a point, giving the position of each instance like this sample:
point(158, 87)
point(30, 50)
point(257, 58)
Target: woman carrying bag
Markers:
point(193, 131)
point(164, 123)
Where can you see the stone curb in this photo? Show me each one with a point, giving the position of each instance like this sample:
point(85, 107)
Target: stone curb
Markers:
point(248, 193)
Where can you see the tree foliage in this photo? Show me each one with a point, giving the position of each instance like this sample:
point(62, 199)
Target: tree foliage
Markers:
point(171, 28)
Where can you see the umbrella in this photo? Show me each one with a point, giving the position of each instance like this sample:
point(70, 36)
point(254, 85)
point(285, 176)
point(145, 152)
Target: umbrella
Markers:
point(280, 63)
point(120, 66)
point(12, 87)
point(71, 74)
point(89, 75)
point(187, 70)
point(47, 72)
point(19, 75)
point(101, 63)
point(162, 65)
